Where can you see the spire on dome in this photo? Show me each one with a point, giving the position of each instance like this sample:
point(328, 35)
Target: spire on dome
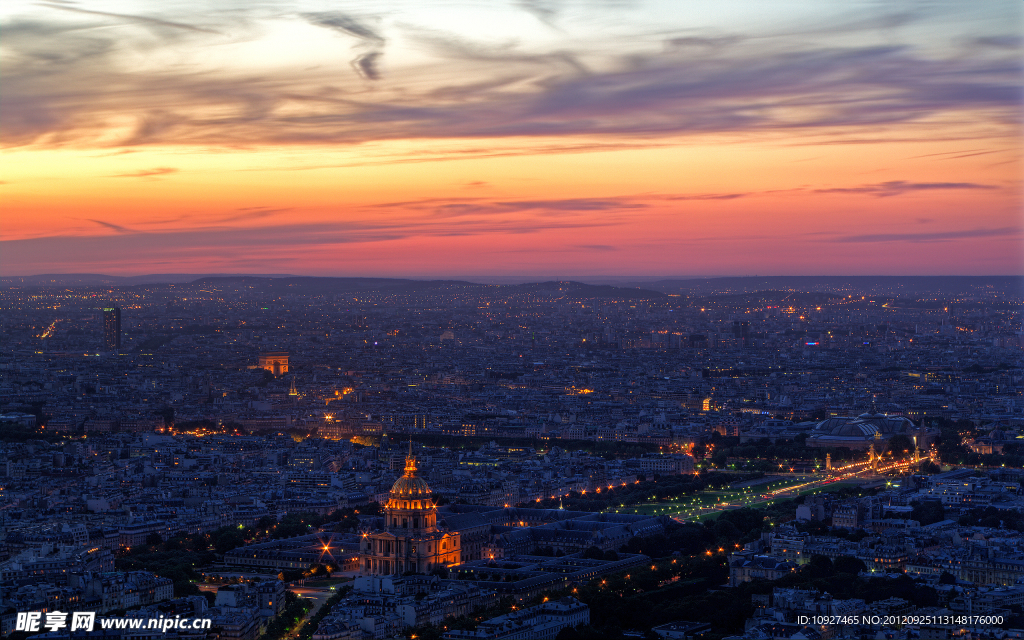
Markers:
point(410, 462)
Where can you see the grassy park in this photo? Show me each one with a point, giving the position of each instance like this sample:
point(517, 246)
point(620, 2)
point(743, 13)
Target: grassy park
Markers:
point(708, 504)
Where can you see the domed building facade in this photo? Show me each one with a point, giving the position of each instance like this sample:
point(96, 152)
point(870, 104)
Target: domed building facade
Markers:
point(410, 539)
point(861, 432)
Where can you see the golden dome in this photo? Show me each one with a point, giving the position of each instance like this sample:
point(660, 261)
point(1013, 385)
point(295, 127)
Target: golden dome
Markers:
point(410, 485)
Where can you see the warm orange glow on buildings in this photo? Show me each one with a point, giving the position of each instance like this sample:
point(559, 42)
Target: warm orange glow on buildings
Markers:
point(276, 362)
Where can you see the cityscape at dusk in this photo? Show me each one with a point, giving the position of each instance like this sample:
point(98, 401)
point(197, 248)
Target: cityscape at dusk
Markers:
point(511, 320)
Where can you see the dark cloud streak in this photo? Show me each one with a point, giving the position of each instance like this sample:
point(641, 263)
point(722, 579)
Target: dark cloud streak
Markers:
point(116, 227)
point(251, 240)
point(462, 207)
point(899, 187)
point(146, 20)
point(254, 213)
point(345, 24)
point(932, 237)
point(365, 64)
point(709, 196)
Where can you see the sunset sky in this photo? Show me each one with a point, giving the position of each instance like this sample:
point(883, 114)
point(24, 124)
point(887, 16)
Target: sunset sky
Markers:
point(536, 138)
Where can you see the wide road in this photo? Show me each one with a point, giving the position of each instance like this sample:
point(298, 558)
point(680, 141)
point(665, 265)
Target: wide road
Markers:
point(319, 595)
point(710, 502)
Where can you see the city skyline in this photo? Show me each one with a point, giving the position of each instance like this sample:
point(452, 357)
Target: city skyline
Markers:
point(434, 140)
point(371, 458)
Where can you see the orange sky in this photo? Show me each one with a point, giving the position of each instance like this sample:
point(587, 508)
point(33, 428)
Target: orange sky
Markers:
point(534, 139)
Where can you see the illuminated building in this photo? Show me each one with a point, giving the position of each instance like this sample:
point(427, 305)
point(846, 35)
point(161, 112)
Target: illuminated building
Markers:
point(331, 430)
point(410, 539)
point(299, 553)
point(112, 328)
point(276, 362)
point(671, 464)
point(746, 566)
point(867, 431)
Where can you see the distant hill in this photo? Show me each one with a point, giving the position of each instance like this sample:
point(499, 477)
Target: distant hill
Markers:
point(101, 280)
point(311, 285)
point(864, 285)
point(622, 287)
point(304, 285)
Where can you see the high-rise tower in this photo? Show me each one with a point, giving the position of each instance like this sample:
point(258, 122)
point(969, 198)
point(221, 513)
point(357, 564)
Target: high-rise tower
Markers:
point(112, 328)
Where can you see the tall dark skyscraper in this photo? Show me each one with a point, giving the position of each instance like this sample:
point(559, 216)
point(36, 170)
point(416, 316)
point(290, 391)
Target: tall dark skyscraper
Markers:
point(112, 328)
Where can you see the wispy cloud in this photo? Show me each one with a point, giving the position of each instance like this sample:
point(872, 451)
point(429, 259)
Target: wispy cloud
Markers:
point(145, 20)
point(1000, 42)
point(474, 152)
point(254, 213)
point(709, 196)
point(346, 24)
point(933, 237)
point(370, 42)
point(572, 205)
point(116, 227)
point(424, 203)
point(899, 187)
point(481, 206)
point(147, 173)
point(544, 10)
point(455, 207)
point(74, 88)
point(308, 234)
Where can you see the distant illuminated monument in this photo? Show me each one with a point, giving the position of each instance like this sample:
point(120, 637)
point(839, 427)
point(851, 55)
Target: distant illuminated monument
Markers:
point(870, 430)
point(112, 328)
point(410, 539)
point(276, 362)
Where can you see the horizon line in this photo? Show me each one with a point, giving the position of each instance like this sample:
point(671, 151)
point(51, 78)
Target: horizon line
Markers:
point(555, 278)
